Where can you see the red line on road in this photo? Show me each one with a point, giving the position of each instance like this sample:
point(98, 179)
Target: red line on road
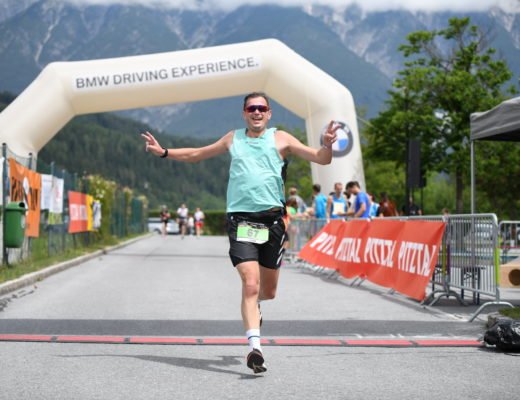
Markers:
point(225, 341)
point(240, 341)
point(448, 342)
point(93, 339)
point(364, 342)
point(307, 342)
point(25, 338)
point(162, 340)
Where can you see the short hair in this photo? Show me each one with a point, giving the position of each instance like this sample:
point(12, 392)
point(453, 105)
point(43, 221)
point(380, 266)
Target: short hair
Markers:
point(252, 95)
point(293, 191)
point(352, 184)
point(291, 202)
point(316, 187)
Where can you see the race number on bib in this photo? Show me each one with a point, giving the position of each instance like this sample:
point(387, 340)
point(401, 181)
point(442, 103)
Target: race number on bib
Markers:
point(253, 233)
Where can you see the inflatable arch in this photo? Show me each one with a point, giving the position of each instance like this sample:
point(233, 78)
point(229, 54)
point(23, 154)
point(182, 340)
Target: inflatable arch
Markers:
point(66, 89)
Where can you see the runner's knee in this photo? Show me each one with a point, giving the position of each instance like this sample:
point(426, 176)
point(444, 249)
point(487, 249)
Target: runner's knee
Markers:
point(251, 287)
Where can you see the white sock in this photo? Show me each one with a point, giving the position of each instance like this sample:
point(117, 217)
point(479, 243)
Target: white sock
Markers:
point(253, 337)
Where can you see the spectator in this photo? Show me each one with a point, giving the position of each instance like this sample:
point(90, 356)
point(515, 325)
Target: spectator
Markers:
point(292, 207)
point(319, 202)
point(337, 204)
point(361, 207)
point(411, 208)
point(374, 206)
point(387, 207)
point(293, 194)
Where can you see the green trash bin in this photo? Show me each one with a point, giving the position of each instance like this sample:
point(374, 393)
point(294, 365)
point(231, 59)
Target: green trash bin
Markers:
point(14, 228)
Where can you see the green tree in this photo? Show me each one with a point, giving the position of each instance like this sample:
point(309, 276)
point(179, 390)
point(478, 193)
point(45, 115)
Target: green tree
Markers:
point(449, 74)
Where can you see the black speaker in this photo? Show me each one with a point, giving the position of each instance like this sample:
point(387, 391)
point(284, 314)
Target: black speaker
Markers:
point(414, 164)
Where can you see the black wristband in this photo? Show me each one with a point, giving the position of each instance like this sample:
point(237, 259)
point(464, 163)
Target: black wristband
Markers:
point(165, 154)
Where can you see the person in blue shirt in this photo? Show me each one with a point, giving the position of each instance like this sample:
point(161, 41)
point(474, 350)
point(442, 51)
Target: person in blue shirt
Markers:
point(320, 202)
point(362, 202)
point(374, 206)
point(255, 202)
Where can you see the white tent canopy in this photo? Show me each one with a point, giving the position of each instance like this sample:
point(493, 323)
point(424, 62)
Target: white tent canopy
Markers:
point(65, 89)
point(501, 123)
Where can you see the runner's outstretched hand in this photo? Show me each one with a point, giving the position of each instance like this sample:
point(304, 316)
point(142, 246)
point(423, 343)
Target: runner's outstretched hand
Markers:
point(151, 144)
point(330, 135)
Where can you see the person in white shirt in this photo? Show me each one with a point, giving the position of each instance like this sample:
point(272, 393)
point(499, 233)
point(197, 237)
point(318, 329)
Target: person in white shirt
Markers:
point(182, 219)
point(199, 221)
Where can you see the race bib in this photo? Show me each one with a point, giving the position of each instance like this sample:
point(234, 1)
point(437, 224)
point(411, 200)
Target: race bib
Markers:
point(338, 208)
point(253, 233)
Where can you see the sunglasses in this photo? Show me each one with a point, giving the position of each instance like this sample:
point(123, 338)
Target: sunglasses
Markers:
point(253, 108)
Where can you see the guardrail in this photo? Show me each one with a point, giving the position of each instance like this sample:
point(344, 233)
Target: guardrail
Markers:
point(469, 258)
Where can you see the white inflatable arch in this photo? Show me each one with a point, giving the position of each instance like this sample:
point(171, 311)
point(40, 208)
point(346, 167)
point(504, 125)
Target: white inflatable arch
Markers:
point(66, 89)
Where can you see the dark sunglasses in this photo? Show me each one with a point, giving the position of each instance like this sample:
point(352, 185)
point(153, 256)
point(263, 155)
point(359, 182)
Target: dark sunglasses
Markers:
point(253, 108)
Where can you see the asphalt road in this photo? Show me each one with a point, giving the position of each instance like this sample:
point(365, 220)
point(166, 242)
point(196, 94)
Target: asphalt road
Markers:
point(168, 287)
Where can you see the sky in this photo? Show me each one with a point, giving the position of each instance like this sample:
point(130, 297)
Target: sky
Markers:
point(367, 5)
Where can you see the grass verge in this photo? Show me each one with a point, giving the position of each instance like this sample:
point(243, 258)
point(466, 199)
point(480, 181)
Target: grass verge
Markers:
point(40, 260)
point(511, 312)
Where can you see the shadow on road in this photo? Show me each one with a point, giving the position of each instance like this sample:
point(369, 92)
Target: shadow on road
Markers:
point(211, 365)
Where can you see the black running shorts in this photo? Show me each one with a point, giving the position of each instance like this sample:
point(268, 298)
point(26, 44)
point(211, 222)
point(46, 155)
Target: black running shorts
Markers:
point(268, 254)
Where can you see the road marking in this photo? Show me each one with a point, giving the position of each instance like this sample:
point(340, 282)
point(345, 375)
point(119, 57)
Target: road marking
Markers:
point(403, 342)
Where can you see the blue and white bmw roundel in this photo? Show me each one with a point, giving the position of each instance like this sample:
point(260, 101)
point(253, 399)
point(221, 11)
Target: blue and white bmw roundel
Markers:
point(344, 143)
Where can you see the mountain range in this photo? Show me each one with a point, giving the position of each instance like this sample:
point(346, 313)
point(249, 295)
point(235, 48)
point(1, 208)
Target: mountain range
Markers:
point(356, 47)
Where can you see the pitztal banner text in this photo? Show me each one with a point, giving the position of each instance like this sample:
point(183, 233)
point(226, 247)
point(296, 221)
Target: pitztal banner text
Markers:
point(78, 213)
point(396, 254)
point(25, 186)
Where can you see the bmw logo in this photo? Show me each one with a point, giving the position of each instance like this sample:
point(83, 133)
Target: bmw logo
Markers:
point(343, 145)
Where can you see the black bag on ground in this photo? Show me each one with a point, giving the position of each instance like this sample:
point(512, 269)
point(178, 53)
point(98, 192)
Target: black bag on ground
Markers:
point(504, 334)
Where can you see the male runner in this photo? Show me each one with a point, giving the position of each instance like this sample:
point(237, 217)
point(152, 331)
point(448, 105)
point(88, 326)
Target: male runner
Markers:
point(255, 203)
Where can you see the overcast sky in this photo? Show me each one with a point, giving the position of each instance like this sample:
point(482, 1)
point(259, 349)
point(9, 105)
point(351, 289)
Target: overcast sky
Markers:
point(368, 5)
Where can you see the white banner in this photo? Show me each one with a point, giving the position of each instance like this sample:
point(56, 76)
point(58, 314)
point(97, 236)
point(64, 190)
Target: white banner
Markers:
point(56, 204)
point(46, 193)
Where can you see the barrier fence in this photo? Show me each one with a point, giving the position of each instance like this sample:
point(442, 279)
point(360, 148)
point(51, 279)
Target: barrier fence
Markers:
point(468, 260)
point(123, 215)
point(509, 234)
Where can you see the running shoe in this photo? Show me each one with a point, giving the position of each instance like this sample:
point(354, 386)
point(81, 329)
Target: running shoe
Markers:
point(255, 361)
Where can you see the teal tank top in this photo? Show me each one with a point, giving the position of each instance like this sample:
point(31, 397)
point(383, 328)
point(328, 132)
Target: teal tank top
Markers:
point(255, 180)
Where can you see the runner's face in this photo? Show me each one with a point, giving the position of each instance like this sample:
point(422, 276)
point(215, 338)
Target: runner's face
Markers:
point(256, 121)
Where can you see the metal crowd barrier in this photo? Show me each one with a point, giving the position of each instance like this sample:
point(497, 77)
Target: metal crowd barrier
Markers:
point(300, 231)
point(468, 261)
point(509, 240)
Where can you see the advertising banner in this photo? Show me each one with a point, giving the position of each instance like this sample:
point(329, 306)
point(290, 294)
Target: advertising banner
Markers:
point(396, 254)
point(348, 255)
point(321, 248)
point(25, 186)
point(78, 212)
point(46, 194)
point(56, 205)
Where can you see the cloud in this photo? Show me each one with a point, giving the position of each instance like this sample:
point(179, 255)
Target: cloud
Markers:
point(368, 5)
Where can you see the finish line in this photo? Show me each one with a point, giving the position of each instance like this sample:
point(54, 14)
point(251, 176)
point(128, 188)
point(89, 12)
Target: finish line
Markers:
point(398, 343)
